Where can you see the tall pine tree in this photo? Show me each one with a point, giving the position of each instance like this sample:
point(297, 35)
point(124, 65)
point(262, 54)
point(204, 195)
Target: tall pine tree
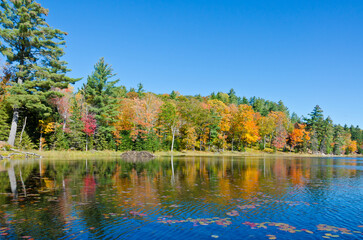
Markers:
point(101, 95)
point(34, 49)
point(315, 125)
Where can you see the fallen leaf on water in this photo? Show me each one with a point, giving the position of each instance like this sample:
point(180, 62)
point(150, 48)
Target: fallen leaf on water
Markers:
point(233, 213)
point(272, 237)
point(215, 236)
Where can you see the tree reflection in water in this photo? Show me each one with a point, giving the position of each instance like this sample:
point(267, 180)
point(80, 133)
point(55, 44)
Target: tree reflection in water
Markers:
point(85, 199)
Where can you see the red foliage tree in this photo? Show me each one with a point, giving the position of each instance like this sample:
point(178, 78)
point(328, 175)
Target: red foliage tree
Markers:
point(89, 122)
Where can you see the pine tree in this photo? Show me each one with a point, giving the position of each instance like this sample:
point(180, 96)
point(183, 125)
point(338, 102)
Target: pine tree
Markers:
point(4, 122)
point(26, 142)
point(326, 135)
point(232, 97)
point(338, 140)
point(101, 95)
point(140, 90)
point(34, 49)
point(244, 101)
point(315, 126)
point(77, 137)
point(173, 95)
point(295, 118)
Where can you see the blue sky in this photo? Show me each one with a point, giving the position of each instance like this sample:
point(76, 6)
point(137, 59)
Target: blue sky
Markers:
point(301, 52)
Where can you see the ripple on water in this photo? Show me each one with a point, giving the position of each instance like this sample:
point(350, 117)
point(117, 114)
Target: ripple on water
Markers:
point(244, 198)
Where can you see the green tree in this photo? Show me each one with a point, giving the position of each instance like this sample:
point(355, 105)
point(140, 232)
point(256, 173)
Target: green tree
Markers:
point(316, 118)
point(4, 122)
point(223, 97)
point(232, 97)
point(315, 125)
point(326, 135)
point(170, 119)
point(339, 140)
point(140, 90)
point(295, 118)
point(101, 95)
point(244, 101)
point(34, 49)
point(76, 135)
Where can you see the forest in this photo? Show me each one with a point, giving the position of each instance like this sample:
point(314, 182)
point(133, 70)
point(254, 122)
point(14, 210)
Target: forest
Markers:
point(39, 108)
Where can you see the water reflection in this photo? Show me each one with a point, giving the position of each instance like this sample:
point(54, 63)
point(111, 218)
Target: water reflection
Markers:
point(118, 199)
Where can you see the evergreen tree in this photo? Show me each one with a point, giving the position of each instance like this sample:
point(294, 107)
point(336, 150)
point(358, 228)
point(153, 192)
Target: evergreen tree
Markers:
point(173, 95)
point(316, 118)
point(295, 118)
point(26, 142)
point(257, 104)
point(325, 135)
point(244, 101)
point(338, 140)
point(315, 126)
point(356, 133)
point(76, 134)
point(101, 95)
point(232, 97)
point(213, 96)
point(140, 90)
point(282, 108)
point(4, 122)
point(34, 49)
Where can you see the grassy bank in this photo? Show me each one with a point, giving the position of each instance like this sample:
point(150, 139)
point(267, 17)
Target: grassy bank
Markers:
point(64, 155)
point(248, 154)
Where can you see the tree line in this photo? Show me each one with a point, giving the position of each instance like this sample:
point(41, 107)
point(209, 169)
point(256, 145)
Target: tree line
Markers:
point(40, 109)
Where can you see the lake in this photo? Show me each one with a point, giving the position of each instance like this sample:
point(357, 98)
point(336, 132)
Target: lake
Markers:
point(183, 198)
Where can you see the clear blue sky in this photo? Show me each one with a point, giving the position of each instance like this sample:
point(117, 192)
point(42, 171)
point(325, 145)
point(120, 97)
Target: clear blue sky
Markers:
point(301, 52)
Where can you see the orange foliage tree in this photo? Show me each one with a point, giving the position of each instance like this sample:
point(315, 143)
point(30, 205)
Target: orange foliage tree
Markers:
point(298, 135)
point(245, 124)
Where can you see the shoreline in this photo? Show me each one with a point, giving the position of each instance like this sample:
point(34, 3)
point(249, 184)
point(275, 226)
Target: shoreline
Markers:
point(69, 155)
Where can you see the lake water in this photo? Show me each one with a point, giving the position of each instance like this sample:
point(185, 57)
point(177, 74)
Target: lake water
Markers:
point(183, 198)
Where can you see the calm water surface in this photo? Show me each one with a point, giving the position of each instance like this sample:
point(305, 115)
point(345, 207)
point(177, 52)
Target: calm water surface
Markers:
point(183, 198)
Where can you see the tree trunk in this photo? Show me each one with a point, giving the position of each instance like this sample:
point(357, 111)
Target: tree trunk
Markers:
point(22, 131)
point(14, 122)
point(14, 127)
point(232, 143)
point(223, 141)
point(22, 183)
point(12, 179)
point(40, 140)
point(86, 143)
point(172, 141)
point(264, 141)
point(64, 124)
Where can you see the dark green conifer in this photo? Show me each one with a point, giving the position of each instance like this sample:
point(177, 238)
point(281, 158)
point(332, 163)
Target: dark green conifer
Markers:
point(77, 138)
point(4, 122)
point(232, 97)
point(34, 49)
point(101, 95)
